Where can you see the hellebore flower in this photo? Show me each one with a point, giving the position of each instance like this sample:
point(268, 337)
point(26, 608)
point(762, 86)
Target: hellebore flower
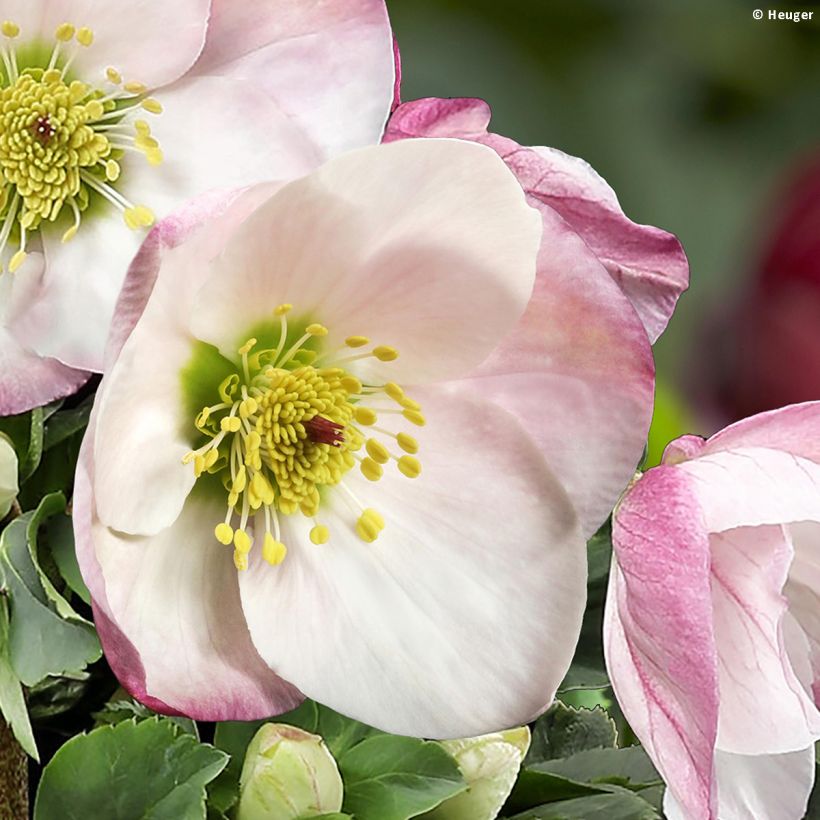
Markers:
point(649, 264)
point(490, 765)
point(276, 379)
point(288, 773)
point(712, 634)
point(8, 476)
point(115, 114)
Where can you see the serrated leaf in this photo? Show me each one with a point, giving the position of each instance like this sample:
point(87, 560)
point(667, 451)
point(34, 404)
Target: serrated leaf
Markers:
point(588, 670)
point(116, 711)
point(12, 701)
point(611, 806)
point(563, 731)
point(388, 777)
point(151, 769)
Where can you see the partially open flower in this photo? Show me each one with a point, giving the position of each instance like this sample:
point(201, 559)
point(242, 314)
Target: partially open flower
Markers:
point(112, 115)
point(288, 774)
point(712, 628)
point(339, 438)
point(8, 476)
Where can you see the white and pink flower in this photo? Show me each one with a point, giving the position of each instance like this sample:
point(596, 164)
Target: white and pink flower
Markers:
point(115, 114)
point(712, 629)
point(398, 412)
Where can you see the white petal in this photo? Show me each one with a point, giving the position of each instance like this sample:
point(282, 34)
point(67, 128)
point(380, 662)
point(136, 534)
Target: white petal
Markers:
point(462, 617)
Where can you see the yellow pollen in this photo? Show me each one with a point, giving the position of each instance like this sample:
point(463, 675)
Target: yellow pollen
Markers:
point(85, 37)
point(394, 391)
point(357, 341)
point(283, 432)
point(385, 354)
point(152, 106)
point(115, 77)
point(64, 32)
point(135, 88)
point(409, 404)
point(415, 417)
point(320, 534)
point(10, 30)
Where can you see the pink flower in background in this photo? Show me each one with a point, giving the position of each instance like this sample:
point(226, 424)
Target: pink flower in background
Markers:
point(712, 628)
point(648, 263)
point(397, 430)
point(770, 347)
point(114, 114)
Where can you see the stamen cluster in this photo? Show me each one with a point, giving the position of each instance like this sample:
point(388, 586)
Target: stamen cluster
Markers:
point(286, 429)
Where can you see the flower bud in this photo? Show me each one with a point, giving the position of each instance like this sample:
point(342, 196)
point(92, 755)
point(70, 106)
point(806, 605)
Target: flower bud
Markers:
point(8, 476)
point(490, 765)
point(288, 774)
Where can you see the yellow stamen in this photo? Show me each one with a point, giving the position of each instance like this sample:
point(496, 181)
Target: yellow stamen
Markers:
point(273, 551)
point(242, 541)
point(240, 560)
point(415, 417)
point(365, 415)
point(85, 37)
point(377, 451)
point(407, 443)
point(320, 534)
point(224, 533)
point(357, 341)
point(371, 470)
point(152, 106)
point(369, 525)
point(385, 354)
point(410, 466)
point(64, 32)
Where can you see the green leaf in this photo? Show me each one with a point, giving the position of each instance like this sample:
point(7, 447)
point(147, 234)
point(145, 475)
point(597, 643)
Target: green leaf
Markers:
point(60, 537)
point(621, 805)
point(588, 670)
point(56, 695)
point(150, 769)
point(66, 423)
point(630, 767)
point(334, 816)
point(116, 711)
point(233, 737)
point(12, 701)
point(388, 777)
point(562, 731)
point(46, 636)
point(534, 788)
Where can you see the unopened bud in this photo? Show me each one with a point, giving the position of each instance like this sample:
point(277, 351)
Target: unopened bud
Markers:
point(8, 476)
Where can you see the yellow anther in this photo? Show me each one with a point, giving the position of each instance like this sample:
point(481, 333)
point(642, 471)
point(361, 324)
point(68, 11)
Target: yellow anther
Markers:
point(199, 465)
point(240, 560)
point(316, 330)
point(10, 30)
point(240, 482)
point(142, 128)
point(145, 216)
point(414, 417)
point(371, 470)
point(281, 310)
point(385, 354)
point(247, 347)
point(247, 407)
point(112, 170)
point(407, 443)
point(394, 391)
point(94, 109)
point(253, 441)
point(410, 466)
point(233, 498)
point(69, 234)
point(152, 106)
point(224, 533)
point(85, 37)
point(52, 76)
point(230, 424)
point(408, 404)
point(377, 451)
point(242, 541)
point(146, 142)
point(154, 156)
point(369, 525)
point(211, 457)
point(320, 534)
point(273, 551)
point(262, 488)
point(64, 32)
point(17, 260)
point(365, 415)
point(114, 76)
point(28, 218)
point(135, 88)
point(352, 385)
point(357, 341)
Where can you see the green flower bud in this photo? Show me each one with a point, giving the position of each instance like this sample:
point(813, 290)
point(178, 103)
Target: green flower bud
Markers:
point(490, 765)
point(288, 774)
point(8, 476)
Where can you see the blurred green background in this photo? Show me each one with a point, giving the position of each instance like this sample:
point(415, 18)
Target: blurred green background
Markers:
point(693, 111)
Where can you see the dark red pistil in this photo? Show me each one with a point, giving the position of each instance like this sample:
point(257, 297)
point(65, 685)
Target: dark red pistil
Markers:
point(43, 129)
point(325, 431)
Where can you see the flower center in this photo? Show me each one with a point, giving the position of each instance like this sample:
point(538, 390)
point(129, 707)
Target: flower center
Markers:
point(286, 428)
point(61, 140)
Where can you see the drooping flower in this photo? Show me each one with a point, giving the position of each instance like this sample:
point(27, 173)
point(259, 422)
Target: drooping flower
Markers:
point(490, 766)
point(712, 634)
point(356, 384)
point(648, 263)
point(8, 476)
point(288, 774)
point(112, 115)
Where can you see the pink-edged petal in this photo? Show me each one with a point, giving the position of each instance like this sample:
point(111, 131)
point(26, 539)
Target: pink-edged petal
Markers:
point(143, 431)
point(648, 263)
point(577, 372)
point(752, 486)
point(658, 640)
point(148, 41)
point(749, 569)
point(462, 617)
point(169, 616)
point(426, 245)
point(397, 81)
point(328, 65)
point(803, 593)
point(794, 429)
